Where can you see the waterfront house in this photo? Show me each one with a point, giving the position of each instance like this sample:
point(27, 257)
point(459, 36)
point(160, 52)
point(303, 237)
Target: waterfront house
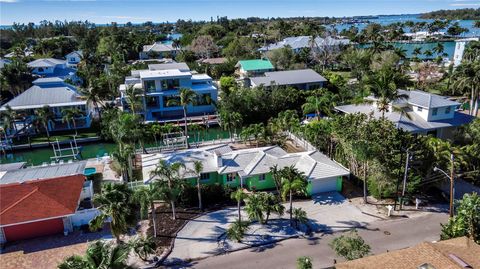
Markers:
point(44, 200)
point(58, 95)
point(420, 113)
point(297, 43)
point(460, 45)
point(74, 58)
point(158, 50)
point(304, 79)
point(250, 68)
point(50, 67)
point(250, 168)
point(161, 83)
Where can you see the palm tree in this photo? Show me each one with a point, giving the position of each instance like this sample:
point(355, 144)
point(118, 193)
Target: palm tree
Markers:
point(45, 116)
point(69, 115)
point(187, 97)
point(142, 246)
point(239, 195)
point(99, 255)
point(319, 103)
point(230, 121)
point(92, 95)
point(254, 205)
point(271, 204)
point(439, 48)
point(133, 98)
point(468, 79)
point(293, 181)
point(8, 118)
point(169, 181)
point(146, 197)
point(114, 201)
point(198, 168)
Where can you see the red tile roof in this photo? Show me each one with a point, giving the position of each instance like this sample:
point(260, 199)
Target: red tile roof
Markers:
point(39, 199)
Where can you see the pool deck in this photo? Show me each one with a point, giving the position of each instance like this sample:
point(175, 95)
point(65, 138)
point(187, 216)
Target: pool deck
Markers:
point(102, 165)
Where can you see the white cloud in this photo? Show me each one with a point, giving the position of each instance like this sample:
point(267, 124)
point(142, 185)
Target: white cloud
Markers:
point(8, 1)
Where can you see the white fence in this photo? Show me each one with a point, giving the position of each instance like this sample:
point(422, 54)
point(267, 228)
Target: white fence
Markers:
point(83, 217)
point(87, 190)
point(302, 142)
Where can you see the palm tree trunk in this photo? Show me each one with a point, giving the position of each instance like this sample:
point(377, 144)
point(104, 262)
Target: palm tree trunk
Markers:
point(365, 182)
point(174, 215)
point(48, 133)
point(291, 208)
point(75, 126)
point(239, 213)
point(186, 128)
point(199, 190)
point(152, 204)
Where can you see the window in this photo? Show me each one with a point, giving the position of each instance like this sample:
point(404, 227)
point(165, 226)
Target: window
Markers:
point(261, 177)
point(203, 99)
point(149, 85)
point(40, 69)
point(151, 101)
point(447, 110)
point(419, 109)
point(434, 111)
point(170, 84)
point(173, 99)
point(204, 176)
point(230, 177)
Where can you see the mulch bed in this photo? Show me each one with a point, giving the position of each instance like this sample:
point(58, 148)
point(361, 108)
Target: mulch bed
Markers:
point(167, 227)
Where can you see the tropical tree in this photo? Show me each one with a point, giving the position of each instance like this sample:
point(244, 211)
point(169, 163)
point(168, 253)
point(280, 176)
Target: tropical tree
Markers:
point(467, 78)
point(320, 103)
point(237, 230)
point(145, 197)
point(239, 195)
point(69, 115)
point(271, 204)
point(299, 217)
point(304, 262)
point(114, 203)
point(230, 121)
point(169, 182)
point(99, 255)
point(197, 169)
point(45, 116)
point(8, 118)
point(92, 95)
point(350, 246)
point(142, 246)
point(466, 222)
point(255, 207)
point(15, 77)
point(293, 181)
point(133, 97)
point(187, 97)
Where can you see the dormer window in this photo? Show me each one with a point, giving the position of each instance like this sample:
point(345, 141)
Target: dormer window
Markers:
point(447, 110)
point(419, 109)
point(434, 111)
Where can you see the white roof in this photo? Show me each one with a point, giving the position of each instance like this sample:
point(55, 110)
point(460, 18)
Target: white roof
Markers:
point(298, 42)
point(45, 62)
point(158, 47)
point(246, 162)
point(163, 73)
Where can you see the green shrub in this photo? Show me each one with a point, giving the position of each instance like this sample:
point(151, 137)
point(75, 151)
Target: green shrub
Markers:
point(351, 246)
point(304, 262)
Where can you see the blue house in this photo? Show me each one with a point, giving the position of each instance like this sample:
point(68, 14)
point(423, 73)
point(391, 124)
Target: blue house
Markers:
point(50, 67)
point(162, 82)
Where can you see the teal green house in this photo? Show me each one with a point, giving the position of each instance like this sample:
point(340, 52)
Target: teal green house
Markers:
point(249, 68)
point(250, 168)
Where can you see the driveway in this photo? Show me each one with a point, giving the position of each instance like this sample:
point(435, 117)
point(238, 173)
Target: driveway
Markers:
point(327, 212)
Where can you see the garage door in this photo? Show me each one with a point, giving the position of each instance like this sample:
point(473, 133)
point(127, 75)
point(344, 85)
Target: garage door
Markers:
point(33, 229)
point(324, 185)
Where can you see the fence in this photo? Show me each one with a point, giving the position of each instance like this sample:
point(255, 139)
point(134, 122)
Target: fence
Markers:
point(302, 142)
point(83, 217)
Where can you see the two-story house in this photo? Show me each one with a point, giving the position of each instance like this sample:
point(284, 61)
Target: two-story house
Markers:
point(74, 58)
point(303, 79)
point(252, 68)
point(56, 94)
point(158, 50)
point(162, 82)
point(50, 67)
point(420, 113)
point(249, 168)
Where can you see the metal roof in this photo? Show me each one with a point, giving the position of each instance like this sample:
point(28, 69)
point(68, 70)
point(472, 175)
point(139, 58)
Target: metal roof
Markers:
point(41, 95)
point(290, 77)
point(48, 80)
point(45, 62)
point(11, 166)
point(169, 66)
point(298, 42)
point(43, 172)
point(158, 47)
point(426, 100)
point(258, 64)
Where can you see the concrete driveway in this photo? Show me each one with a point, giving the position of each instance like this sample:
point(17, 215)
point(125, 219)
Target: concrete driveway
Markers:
point(327, 212)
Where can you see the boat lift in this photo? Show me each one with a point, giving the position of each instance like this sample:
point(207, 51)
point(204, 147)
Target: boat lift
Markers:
point(59, 154)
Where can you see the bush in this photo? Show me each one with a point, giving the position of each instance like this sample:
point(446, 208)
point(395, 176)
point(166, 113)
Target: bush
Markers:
point(237, 230)
point(351, 246)
point(304, 262)
point(211, 195)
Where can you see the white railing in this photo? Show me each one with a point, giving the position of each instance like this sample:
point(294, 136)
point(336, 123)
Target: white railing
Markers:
point(135, 184)
point(302, 142)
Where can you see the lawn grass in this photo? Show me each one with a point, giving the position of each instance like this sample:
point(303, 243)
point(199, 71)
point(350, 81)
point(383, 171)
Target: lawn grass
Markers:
point(61, 136)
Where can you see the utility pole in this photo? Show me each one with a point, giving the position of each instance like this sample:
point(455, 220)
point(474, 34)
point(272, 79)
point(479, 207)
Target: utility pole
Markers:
point(405, 175)
point(452, 190)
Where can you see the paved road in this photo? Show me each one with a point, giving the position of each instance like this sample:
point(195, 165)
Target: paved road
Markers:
point(380, 235)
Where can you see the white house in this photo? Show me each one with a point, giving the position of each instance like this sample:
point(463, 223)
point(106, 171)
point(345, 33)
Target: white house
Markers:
point(297, 43)
point(460, 45)
point(157, 50)
point(47, 66)
point(304, 79)
point(74, 58)
point(420, 113)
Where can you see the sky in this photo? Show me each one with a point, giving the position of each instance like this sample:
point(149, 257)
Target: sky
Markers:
point(121, 11)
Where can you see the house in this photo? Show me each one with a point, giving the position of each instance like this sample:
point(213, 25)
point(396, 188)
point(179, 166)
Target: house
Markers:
point(158, 50)
point(454, 253)
point(297, 43)
point(460, 45)
point(420, 113)
point(25, 53)
point(304, 79)
point(4, 62)
point(161, 83)
point(43, 200)
point(249, 68)
point(74, 58)
point(58, 95)
point(212, 61)
point(50, 67)
point(250, 168)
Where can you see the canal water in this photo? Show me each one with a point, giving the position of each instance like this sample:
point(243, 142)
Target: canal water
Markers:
point(449, 48)
point(95, 149)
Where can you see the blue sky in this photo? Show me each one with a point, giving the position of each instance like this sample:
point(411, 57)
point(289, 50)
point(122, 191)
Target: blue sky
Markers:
point(105, 11)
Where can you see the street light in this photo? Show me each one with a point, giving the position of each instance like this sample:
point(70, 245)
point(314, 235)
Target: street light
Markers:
point(452, 188)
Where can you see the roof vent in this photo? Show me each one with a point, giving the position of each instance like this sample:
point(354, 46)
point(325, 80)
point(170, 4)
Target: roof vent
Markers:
point(426, 266)
point(459, 261)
